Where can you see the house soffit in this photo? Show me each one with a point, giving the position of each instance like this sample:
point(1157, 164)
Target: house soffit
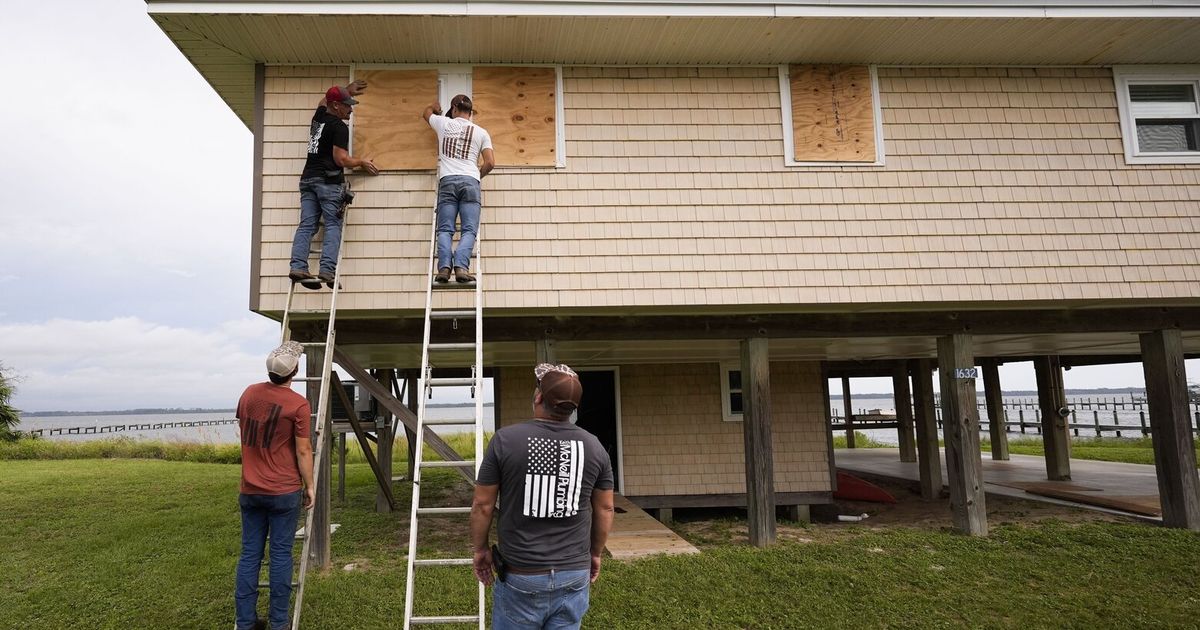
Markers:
point(224, 40)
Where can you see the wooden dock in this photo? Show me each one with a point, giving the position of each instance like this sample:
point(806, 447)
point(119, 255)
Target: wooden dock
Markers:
point(636, 534)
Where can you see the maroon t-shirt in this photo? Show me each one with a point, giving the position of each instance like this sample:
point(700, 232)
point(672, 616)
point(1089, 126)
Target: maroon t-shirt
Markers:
point(272, 417)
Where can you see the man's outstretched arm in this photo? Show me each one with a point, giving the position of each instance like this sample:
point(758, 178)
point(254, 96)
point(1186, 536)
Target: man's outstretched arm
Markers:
point(482, 507)
point(602, 518)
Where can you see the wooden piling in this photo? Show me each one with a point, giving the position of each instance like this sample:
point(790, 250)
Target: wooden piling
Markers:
point(960, 414)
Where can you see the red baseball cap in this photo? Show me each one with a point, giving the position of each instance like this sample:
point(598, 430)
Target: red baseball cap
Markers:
point(339, 94)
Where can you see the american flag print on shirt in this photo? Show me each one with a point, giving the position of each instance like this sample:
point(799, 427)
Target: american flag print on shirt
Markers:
point(553, 477)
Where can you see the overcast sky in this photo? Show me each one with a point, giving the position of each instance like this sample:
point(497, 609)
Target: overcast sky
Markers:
point(124, 247)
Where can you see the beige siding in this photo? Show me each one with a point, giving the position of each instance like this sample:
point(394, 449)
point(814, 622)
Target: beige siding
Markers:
point(674, 440)
point(1000, 184)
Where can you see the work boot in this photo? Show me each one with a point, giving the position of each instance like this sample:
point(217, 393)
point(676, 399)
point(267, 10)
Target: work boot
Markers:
point(299, 275)
point(326, 277)
point(462, 275)
point(443, 276)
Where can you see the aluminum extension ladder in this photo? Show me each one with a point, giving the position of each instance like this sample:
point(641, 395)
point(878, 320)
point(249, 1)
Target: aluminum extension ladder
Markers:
point(320, 419)
point(440, 356)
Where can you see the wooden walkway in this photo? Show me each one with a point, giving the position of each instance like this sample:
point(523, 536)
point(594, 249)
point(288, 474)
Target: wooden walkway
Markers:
point(636, 534)
point(1128, 489)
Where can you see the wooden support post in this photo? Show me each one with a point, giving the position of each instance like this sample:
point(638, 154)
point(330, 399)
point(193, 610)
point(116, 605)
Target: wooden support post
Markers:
point(413, 404)
point(545, 351)
point(386, 441)
point(994, 397)
point(664, 515)
point(828, 427)
point(904, 417)
point(848, 410)
point(756, 433)
point(1171, 428)
point(341, 442)
point(1052, 401)
point(960, 417)
point(319, 555)
point(497, 386)
point(929, 459)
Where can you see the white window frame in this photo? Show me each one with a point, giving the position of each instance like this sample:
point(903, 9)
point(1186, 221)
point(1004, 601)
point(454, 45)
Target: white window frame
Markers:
point(789, 140)
point(1123, 77)
point(726, 411)
point(455, 79)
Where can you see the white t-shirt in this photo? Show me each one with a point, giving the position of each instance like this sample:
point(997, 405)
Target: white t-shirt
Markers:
point(460, 142)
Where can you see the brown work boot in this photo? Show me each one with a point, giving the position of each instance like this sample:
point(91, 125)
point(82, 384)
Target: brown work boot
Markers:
point(443, 276)
point(462, 275)
point(327, 277)
point(307, 280)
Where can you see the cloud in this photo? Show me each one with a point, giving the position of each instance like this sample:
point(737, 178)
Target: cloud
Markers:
point(127, 362)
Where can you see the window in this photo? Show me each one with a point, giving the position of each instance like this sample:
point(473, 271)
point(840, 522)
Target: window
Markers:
point(520, 106)
point(1160, 113)
point(731, 391)
point(831, 115)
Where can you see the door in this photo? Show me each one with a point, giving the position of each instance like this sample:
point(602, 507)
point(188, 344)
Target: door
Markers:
point(598, 413)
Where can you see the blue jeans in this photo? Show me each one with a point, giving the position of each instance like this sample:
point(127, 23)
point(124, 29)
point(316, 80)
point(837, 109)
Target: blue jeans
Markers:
point(458, 198)
point(552, 601)
point(318, 201)
point(263, 514)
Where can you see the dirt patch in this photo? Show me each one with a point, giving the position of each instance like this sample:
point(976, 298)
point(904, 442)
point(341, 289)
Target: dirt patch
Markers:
point(715, 526)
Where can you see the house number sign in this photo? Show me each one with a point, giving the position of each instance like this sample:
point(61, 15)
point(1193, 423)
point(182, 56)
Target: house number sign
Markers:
point(965, 373)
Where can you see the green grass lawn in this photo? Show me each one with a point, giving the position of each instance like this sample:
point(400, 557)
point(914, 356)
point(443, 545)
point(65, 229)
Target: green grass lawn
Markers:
point(123, 543)
point(1128, 450)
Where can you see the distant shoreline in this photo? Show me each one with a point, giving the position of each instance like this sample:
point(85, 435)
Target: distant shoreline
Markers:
point(177, 410)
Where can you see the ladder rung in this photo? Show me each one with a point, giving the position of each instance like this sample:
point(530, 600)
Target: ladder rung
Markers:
point(268, 585)
point(429, 422)
point(451, 346)
point(448, 619)
point(312, 344)
point(307, 379)
point(444, 510)
point(451, 464)
point(451, 286)
point(443, 562)
point(451, 314)
point(450, 382)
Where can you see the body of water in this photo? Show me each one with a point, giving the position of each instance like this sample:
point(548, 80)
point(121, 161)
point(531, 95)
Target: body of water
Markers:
point(211, 428)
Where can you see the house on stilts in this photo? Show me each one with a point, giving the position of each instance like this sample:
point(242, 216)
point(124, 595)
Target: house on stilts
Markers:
point(711, 208)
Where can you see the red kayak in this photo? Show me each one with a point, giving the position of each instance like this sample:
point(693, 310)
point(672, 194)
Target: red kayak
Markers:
point(852, 488)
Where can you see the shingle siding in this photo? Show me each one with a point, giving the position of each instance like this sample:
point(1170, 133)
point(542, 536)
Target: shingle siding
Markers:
point(1000, 184)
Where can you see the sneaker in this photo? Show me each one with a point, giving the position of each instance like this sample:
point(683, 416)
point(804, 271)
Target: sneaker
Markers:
point(463, 276)
point(326, 277)
point(443, 276)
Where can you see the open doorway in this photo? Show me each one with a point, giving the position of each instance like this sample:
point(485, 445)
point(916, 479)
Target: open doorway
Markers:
point(598, 413)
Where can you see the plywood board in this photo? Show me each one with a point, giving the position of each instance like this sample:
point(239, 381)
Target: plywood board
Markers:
point(833, 114)
point(517, 107)
point(388, 127)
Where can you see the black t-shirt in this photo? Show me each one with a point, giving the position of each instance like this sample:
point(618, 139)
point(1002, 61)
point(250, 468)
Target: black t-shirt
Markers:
point(547, 471)
point(325, 132)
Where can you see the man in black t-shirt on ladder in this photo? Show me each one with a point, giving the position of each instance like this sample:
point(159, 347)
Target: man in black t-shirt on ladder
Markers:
point(323, 184)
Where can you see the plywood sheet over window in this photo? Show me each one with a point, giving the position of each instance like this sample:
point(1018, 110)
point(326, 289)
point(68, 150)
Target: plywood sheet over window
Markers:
point(517, 105)
point(388, 127)
point(833, 113)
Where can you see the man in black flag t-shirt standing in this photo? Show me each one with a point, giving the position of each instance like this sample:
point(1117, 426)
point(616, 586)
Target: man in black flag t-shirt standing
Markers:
point(555, 484)
point(322, 184)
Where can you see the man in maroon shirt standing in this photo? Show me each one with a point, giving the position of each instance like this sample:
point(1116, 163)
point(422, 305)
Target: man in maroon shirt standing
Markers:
point(277, 478)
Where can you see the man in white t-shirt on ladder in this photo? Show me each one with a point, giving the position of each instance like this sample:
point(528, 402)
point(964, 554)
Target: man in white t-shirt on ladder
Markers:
point(461, 145)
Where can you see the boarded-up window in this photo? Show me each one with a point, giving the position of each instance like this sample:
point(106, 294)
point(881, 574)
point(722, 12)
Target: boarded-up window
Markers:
point(833, 113)
point(388, 127)
point(517, 106)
